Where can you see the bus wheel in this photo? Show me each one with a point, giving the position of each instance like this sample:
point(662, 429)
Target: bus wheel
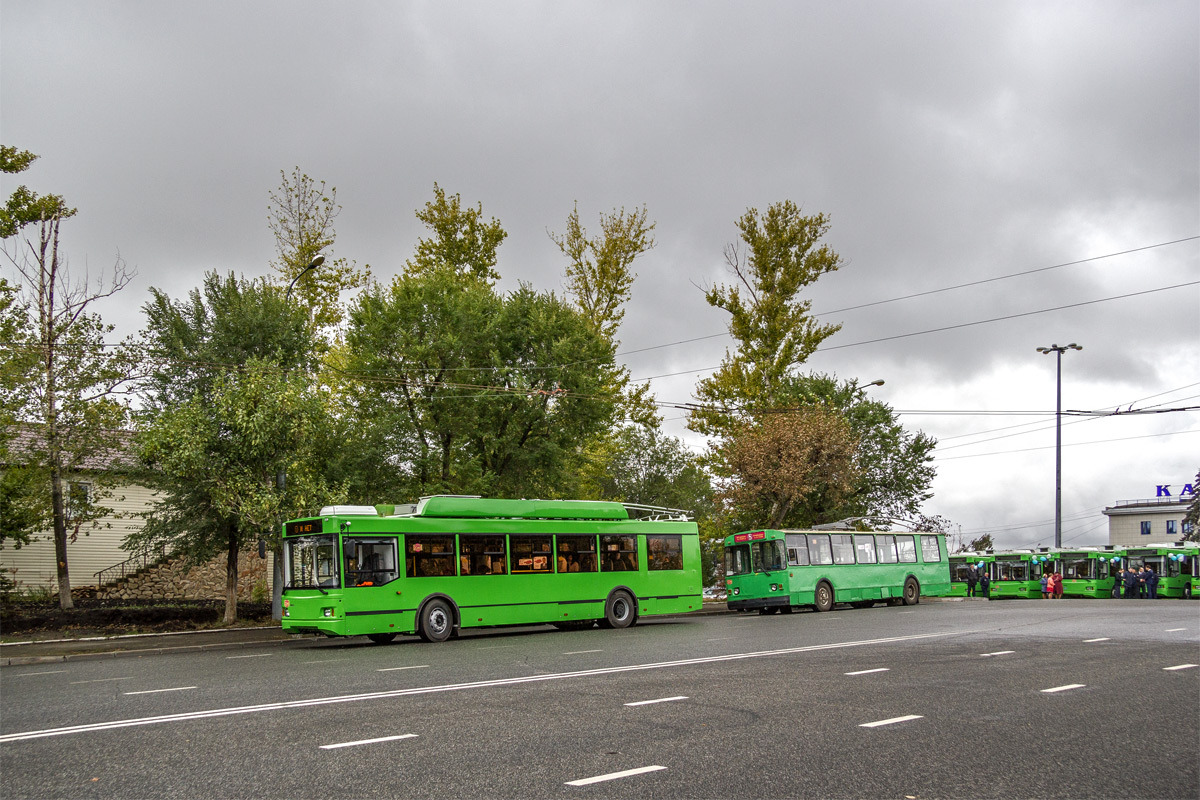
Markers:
point(437, 621)
point(823, 597)
point(912, 592)
point(1187, 591)
point(619, 610)
point(381, 638)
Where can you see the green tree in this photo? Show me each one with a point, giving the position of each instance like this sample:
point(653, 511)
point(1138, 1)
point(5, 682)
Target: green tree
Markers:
point(600, 277)
point(462, 389)
point(301, 216)
point(21, 514)
point(894, 465)
point(231, 402)
point(772, 325)
point(979, 545)
point(74, 392)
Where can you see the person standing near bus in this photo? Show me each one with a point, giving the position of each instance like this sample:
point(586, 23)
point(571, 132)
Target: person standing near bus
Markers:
point(1131, 584)
point(1058, 587)
point(1045, 586)
point(985, 584)
point(972, 579)
point(1151, 583)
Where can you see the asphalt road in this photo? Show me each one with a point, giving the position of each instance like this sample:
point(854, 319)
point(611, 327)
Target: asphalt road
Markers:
point(1003, 699)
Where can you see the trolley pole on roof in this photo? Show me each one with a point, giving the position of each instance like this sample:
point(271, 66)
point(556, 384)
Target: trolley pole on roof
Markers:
point(1058, 350)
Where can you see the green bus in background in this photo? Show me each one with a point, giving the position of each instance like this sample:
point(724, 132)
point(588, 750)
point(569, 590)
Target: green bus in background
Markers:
point(447, 563)
point(1173, 562)
point(1018, 573)
point(777, 571)
point(960, 564)
point(1089, 571)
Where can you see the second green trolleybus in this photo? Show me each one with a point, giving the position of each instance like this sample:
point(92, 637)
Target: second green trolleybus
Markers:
point(447, 563)
point(777, 571)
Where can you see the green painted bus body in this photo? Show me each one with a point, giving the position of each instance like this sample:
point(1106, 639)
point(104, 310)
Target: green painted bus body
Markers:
point(772, 570)
point(1089, 571)
point(959, 563)
point(1017, 574)
point(1176, 576)
point(435, 552)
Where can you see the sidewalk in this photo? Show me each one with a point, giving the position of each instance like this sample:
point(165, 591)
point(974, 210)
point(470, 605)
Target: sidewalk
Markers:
point(151, 644)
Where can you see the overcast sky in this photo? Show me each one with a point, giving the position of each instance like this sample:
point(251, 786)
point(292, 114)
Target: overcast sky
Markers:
point(950, 142)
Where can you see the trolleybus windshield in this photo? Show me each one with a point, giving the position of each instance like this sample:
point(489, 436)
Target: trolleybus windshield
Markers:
point(312, 562)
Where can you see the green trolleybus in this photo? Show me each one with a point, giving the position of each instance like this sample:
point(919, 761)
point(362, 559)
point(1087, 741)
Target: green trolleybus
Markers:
point(960, 564)
point(1173, 562)
point(447, 563)
point(774, 571)
point(1018, 573)
point(1089, 571)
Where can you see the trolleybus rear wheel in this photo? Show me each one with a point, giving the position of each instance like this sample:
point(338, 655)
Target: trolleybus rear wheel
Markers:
point(823, 597)
point(619, 610)
point(437, 621)
point(381, 638)
point(912, 592)
point(1187, 592)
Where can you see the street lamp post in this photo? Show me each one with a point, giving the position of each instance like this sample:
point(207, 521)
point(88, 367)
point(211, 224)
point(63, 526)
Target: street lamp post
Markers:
point(281, 481)
point(1058, 350)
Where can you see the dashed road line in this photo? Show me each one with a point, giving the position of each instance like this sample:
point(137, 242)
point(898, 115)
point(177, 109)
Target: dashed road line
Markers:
point(868, 671)
point(100, 680)
point(1066, 688)
point(997, 653)
point(394, 669)
point(612, 776)
point(253, 655)
point(1180, 666)
point(659, 700)
point(581, 652)
point(157, 691)
point(1101, 639)
point(369, 741)
point(892, 721)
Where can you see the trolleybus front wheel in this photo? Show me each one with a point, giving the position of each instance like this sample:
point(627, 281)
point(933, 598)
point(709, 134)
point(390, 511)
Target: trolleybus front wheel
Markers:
point(437, 621)
point(381, 638)
point(912, 592)
point(619, 611)
point(823, 597)
point(1187, 591)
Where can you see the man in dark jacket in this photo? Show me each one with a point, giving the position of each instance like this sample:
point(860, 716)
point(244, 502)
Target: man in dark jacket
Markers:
point(1131, 584)
point(1151, 583)
point(972, 579)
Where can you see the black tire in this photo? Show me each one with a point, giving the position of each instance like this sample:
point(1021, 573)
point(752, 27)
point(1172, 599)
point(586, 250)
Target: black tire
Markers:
point(1187, 591)
point(823, 597)
point(620, 611)
point(381, 638)
point(912, 592)
point(437, 621)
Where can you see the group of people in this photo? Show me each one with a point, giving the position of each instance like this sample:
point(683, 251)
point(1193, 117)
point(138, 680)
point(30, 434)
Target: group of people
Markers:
point(977, 576)
point(1138, 583)
point(1052, 588)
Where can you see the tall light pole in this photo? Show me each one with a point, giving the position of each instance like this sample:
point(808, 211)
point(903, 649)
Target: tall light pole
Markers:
point(281, 483)
point(1058, 350)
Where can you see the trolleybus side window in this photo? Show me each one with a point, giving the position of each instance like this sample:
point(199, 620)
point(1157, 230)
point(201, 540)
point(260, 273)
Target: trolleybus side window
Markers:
point(369, 562)
point(930, 552)
point(797, 550)
point(665, 552)
point(843, 548)
point(886, 546)
point(819, 549)
point(618, 553)
point(531, 554)
point(428, 556)
point(906, 549)
point(865, 547)
point(576, 553)
point(481, 555)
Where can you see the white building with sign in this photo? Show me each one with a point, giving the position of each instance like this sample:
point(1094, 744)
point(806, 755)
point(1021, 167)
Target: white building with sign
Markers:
point(1157, 519)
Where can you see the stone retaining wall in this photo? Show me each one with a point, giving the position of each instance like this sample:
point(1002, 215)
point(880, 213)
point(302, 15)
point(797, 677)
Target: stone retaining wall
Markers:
point(174, 580)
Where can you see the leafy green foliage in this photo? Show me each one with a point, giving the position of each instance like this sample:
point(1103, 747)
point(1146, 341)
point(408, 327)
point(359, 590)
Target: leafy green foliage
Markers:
point(462, 243)
point(25, 207)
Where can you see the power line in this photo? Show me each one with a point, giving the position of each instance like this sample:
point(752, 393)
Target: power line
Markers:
point(1076, 444)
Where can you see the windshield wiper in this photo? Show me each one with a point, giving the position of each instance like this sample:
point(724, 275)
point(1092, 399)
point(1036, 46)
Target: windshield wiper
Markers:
point(294, 586)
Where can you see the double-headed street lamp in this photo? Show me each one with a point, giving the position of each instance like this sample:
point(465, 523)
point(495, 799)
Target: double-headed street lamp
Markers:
point(1059, 350)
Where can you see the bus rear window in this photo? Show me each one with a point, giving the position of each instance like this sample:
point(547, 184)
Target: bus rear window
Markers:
point(931, 553)
point(664, 552)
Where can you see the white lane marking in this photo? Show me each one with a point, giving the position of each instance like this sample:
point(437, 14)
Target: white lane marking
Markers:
point(892, 721)
point(1181, 666)
point(867, 671)
point(323, 661)
point(998, 653)
point(48, 672)
point(581, 652)
point(1101, 639)
point(454, 687)
point(156, 691)
point(255, 655)
point(1174, 630)
point(652, 702)
point(906, 612)
point(1066, 688)
point(100, 680)
point(393, 669)
point(720, 639)
point(369, 741)
point(612, 776)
